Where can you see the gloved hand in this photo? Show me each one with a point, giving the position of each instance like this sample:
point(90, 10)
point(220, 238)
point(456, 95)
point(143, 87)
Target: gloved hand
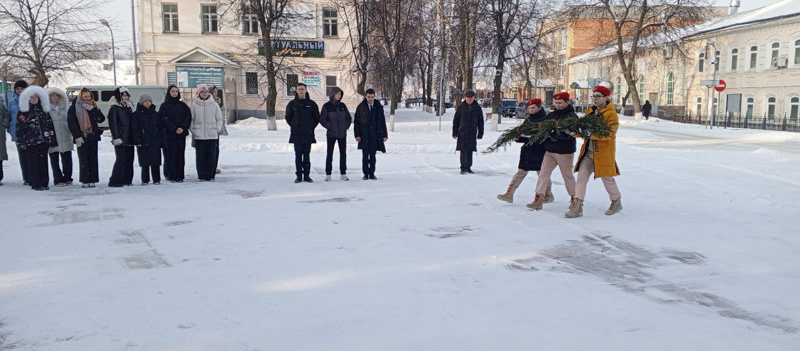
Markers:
point(117, 142)
point(87, 107)
point(571, 133)
point(587, 133)
point(79, 142)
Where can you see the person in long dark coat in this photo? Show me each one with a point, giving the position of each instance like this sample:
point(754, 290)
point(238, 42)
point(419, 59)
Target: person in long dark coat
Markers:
point(468, 129)
point(35, 134)
point(337, 120)
point(119, 122)
point(646, 109)
point(149, 137)
point(82, 118)
point(370, 131)
point(177, 117)
point(302, 115)
point(530, 156)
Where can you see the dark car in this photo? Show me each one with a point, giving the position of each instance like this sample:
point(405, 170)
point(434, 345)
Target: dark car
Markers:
point(508, 108)
point(522, 110)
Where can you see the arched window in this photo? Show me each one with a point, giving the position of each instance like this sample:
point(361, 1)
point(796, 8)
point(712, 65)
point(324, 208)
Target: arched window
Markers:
point(699, 107)
point(797, 52)
point(670, 88)
point(734, 59)
point(775, 51)
point(617, 94)
point(750, 106)
point(753, 56)
point(794, 107)
point(641, 90)
point(771, 107)
point(701, 61)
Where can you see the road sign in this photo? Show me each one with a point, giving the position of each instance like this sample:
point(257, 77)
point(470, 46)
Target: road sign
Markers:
point(709, 82)
point(720, 86)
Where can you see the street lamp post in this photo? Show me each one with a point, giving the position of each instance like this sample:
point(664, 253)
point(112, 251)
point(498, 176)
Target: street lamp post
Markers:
point(135, 54)
point(713, 67)
point(113, 50)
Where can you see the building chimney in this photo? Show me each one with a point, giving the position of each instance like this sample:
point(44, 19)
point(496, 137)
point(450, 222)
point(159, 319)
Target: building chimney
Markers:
point(734, 9)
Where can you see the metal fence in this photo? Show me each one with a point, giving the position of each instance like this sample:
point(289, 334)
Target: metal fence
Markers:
point(764, 122)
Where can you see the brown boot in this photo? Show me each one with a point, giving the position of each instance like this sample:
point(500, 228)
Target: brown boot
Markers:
point(548, 195)
point(512, 188)
point(537, 202)
point(616, 207)
point(575, 209)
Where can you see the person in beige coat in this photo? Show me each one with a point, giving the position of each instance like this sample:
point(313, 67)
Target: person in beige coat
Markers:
point(205, 127)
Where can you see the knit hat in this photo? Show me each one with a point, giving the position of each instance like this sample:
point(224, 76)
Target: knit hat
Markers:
point(145, 97)
point(202, 87)
point(562, 96)
point(602, 90)
point(20, 84)
point(534, 101)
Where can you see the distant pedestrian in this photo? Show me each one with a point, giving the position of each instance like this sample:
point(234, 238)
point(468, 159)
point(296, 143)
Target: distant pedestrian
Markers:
point(13, 108)
point(560, 153)
point(35, 134)
point(302, 115)
point(177, 118)
point(61, 155)
point(336, 119)
point(5, 121)
point(468, 129)
point(149, 137)
point(83, 117)
point(371, 134)
point(119, 122)
point(530, 156)
point(206, 124)
point(646, 109)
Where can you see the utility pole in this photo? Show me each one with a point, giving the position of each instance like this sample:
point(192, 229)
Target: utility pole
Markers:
point(135, 55)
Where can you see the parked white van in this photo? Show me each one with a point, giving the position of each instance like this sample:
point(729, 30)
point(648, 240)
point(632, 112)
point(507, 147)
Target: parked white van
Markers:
point(103, 93)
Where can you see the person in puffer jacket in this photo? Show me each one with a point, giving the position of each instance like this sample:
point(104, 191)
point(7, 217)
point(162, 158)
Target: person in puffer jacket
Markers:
point(337, 120)
point(119, 122)
point(62, 171)
point(177, 118)
point(205, 127)
point(35, 134)
point(149, 137)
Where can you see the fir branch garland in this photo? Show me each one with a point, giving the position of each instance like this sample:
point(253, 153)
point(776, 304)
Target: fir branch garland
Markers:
point(593, 123)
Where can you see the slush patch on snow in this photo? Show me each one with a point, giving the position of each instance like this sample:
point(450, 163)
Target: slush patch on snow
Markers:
point(147, 260)
point(247, 194)
point(690, 258)
point(449, 232)
point(176, 223)
point(335, 199)
point(765, 151)
point(186, 325)
point(70, 217)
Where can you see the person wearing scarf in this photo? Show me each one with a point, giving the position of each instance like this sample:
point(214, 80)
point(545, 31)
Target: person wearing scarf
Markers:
point(82, 118)
point(35, 134)
point(119, 122)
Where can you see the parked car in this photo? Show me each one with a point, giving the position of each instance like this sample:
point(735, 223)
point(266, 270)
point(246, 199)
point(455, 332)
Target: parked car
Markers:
point(508, 108)
point(103, 93)
point(522, 110)
point(486, 103)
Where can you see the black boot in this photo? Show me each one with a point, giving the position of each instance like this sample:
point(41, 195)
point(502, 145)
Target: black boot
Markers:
point(299, 178)
point(307, 179)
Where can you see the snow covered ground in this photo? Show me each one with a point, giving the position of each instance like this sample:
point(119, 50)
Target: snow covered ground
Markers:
point(703, 257)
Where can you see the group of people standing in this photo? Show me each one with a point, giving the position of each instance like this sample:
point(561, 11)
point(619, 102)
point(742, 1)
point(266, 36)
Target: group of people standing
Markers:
point(40, 123)
point(597, 155)
point(369, 125)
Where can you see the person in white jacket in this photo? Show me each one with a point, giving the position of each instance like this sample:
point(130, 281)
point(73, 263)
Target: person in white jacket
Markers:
point(62, 171)
point(205, 127)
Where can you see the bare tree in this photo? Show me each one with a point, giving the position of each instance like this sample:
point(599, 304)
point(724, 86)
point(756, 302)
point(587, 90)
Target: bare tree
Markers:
point(355, 15)
point(625, 22)
point(41, 36)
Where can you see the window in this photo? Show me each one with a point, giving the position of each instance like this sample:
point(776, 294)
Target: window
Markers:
point(701, 61)
point(670, 88)
point(209, 18)
point(330, 82)
point(794, 106)
point(291, 84)
point(641, 90)
point(797, 52)
point(249, 21)
point(771, 107)
point(775, 51)
point(618, 88)
point(330, 22)
point(753, 57)
point(562, 65)
point(750, 105)
point(251, 83)
point(699, 107)
point(563, 39)
point(734, 59)
point(172, 78)
point(169, 17)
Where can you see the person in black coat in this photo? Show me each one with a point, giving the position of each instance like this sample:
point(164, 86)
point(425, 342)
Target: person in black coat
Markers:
point(119, 122)
point(177, 118)
point(149, 136)
point(646, 109)
point(530, 156)
point(468, 129)
point(336, 119)
point(82, 118)
point(371, 134)
point(35, 134)
point(302, 114)
point(561, 149)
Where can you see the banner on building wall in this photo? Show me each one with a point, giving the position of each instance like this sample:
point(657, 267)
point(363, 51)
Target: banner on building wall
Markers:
point(312, 79)
point(191, 76)
point(294, 48)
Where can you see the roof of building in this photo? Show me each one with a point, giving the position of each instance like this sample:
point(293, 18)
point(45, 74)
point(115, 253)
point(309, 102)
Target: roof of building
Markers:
point(785, 8)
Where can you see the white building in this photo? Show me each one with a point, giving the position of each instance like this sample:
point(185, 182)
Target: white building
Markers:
point(189, 42)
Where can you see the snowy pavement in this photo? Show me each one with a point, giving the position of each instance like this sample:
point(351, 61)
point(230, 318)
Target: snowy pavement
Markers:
point(704, 255)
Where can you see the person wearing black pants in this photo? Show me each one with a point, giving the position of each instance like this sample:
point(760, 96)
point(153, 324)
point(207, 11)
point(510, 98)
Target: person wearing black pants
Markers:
point(177, 118)
point(370, 131)
point(62, 174)
point(302, 115)
point(35, 134)
point(36, 157)
point(82, 119)
point(336, 119)
point(5, 121)
point(119, 122)
point(62, 169)
point(468, 129)
point(205, 127)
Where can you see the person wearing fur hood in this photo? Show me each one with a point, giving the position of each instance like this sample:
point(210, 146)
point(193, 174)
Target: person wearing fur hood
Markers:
point(35, 134)
point(177, 118)
point(119, 122)
point(205, 127)
point(82, 118)
point(149, 137)
point(62, 170)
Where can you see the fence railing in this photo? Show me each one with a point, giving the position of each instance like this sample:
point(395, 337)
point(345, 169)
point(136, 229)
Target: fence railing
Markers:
point(784, 123)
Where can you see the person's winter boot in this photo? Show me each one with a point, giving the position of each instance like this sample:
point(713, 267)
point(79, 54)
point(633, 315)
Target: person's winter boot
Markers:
point(328, 178)
point(616, 207)
point(575, 209)
point(516, 180)
point(548, 195)
point(537, 202)
point(299, 178)
point(307, 178)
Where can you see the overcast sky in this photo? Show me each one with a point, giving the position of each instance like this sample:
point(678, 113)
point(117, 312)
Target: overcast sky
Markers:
point(119, 15)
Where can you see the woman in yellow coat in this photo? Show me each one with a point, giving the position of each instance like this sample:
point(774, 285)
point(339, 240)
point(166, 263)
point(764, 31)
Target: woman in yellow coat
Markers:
point(597, 156)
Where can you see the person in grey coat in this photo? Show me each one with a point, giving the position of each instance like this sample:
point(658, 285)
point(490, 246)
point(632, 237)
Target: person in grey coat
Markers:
point(337, 120)
point(62, 171)
point(5, 121)
point(468, 129)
